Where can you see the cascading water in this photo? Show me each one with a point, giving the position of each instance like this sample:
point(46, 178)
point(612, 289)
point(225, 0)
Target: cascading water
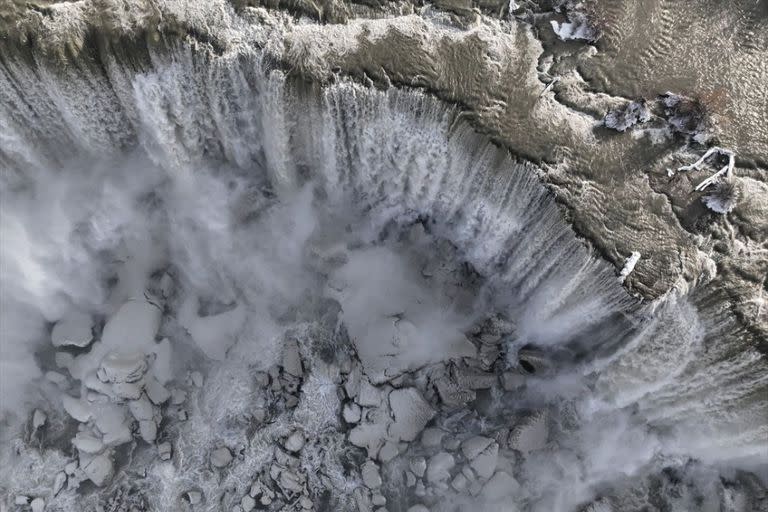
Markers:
point(377, 237)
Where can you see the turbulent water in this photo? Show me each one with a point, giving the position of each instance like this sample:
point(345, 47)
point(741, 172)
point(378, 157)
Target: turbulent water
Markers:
point(247, 248)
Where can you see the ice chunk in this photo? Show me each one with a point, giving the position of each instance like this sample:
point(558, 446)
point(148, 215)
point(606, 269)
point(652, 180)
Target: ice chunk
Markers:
point(37, 505)
point(213, 334)
point(474, 446)
point(369, 395)
point(500, 486)
point(439, 467)
point(57, 378)
point(459, 482)
point(113, 422)
point(161, 367)
point(164, 450)
point(432, 437)
point(58, 482)
point(247, 503)
point(370, 436)
point(88, 443)
point(621, 119)
point(352, 413)
point(194, 497)
point(76, 408)
point(418, 465)
point(371, 476)
point(577, 28)
point(388, 452)
point(295, 442)
point(156, 392)
point(128, 390)
point(122, 367)
point(141, 409)
point(411, 414)
point(148, 430)
point(531, 434)
point(291, 360)
point(197, 379)
point(178, 396)
point(629, 266)
point(74, 329)
point(723, 199)
point(98, 468)
point(133, 327)
point(484, 464)
point(221, 457)
point(38, 419)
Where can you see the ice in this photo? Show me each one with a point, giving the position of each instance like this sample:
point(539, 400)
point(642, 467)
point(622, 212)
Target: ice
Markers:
point(499, 487)
point(295, 442)
point(291, 359)
point(418, 465)
point(432, 437)
point(629, 266)
point(148, 430)
point(371, 476)
point(141, 409)
point(411, 414)
point(352, 413)
point(484, 464)
point(221, 457)
point(247, 503)
point(389, 451)
point(113, 422)
point(623, 118)
point(74, 329)
point(439, 466)
point(474, 446)
point(76, 408)
point(194, 497)
point(58, 483)
point(98, 468)
point(214, 334)
point(37, 505)
point(122, 367)
point(394, 336)
point(38, 419)
point(580, 29)
point(87, 443)
point(164, 450)
point(155, 391)
point(132, 329)
point(531, 434)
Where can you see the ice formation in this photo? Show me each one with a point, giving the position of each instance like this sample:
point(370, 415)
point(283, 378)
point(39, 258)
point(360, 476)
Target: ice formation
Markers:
point(227, 289)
